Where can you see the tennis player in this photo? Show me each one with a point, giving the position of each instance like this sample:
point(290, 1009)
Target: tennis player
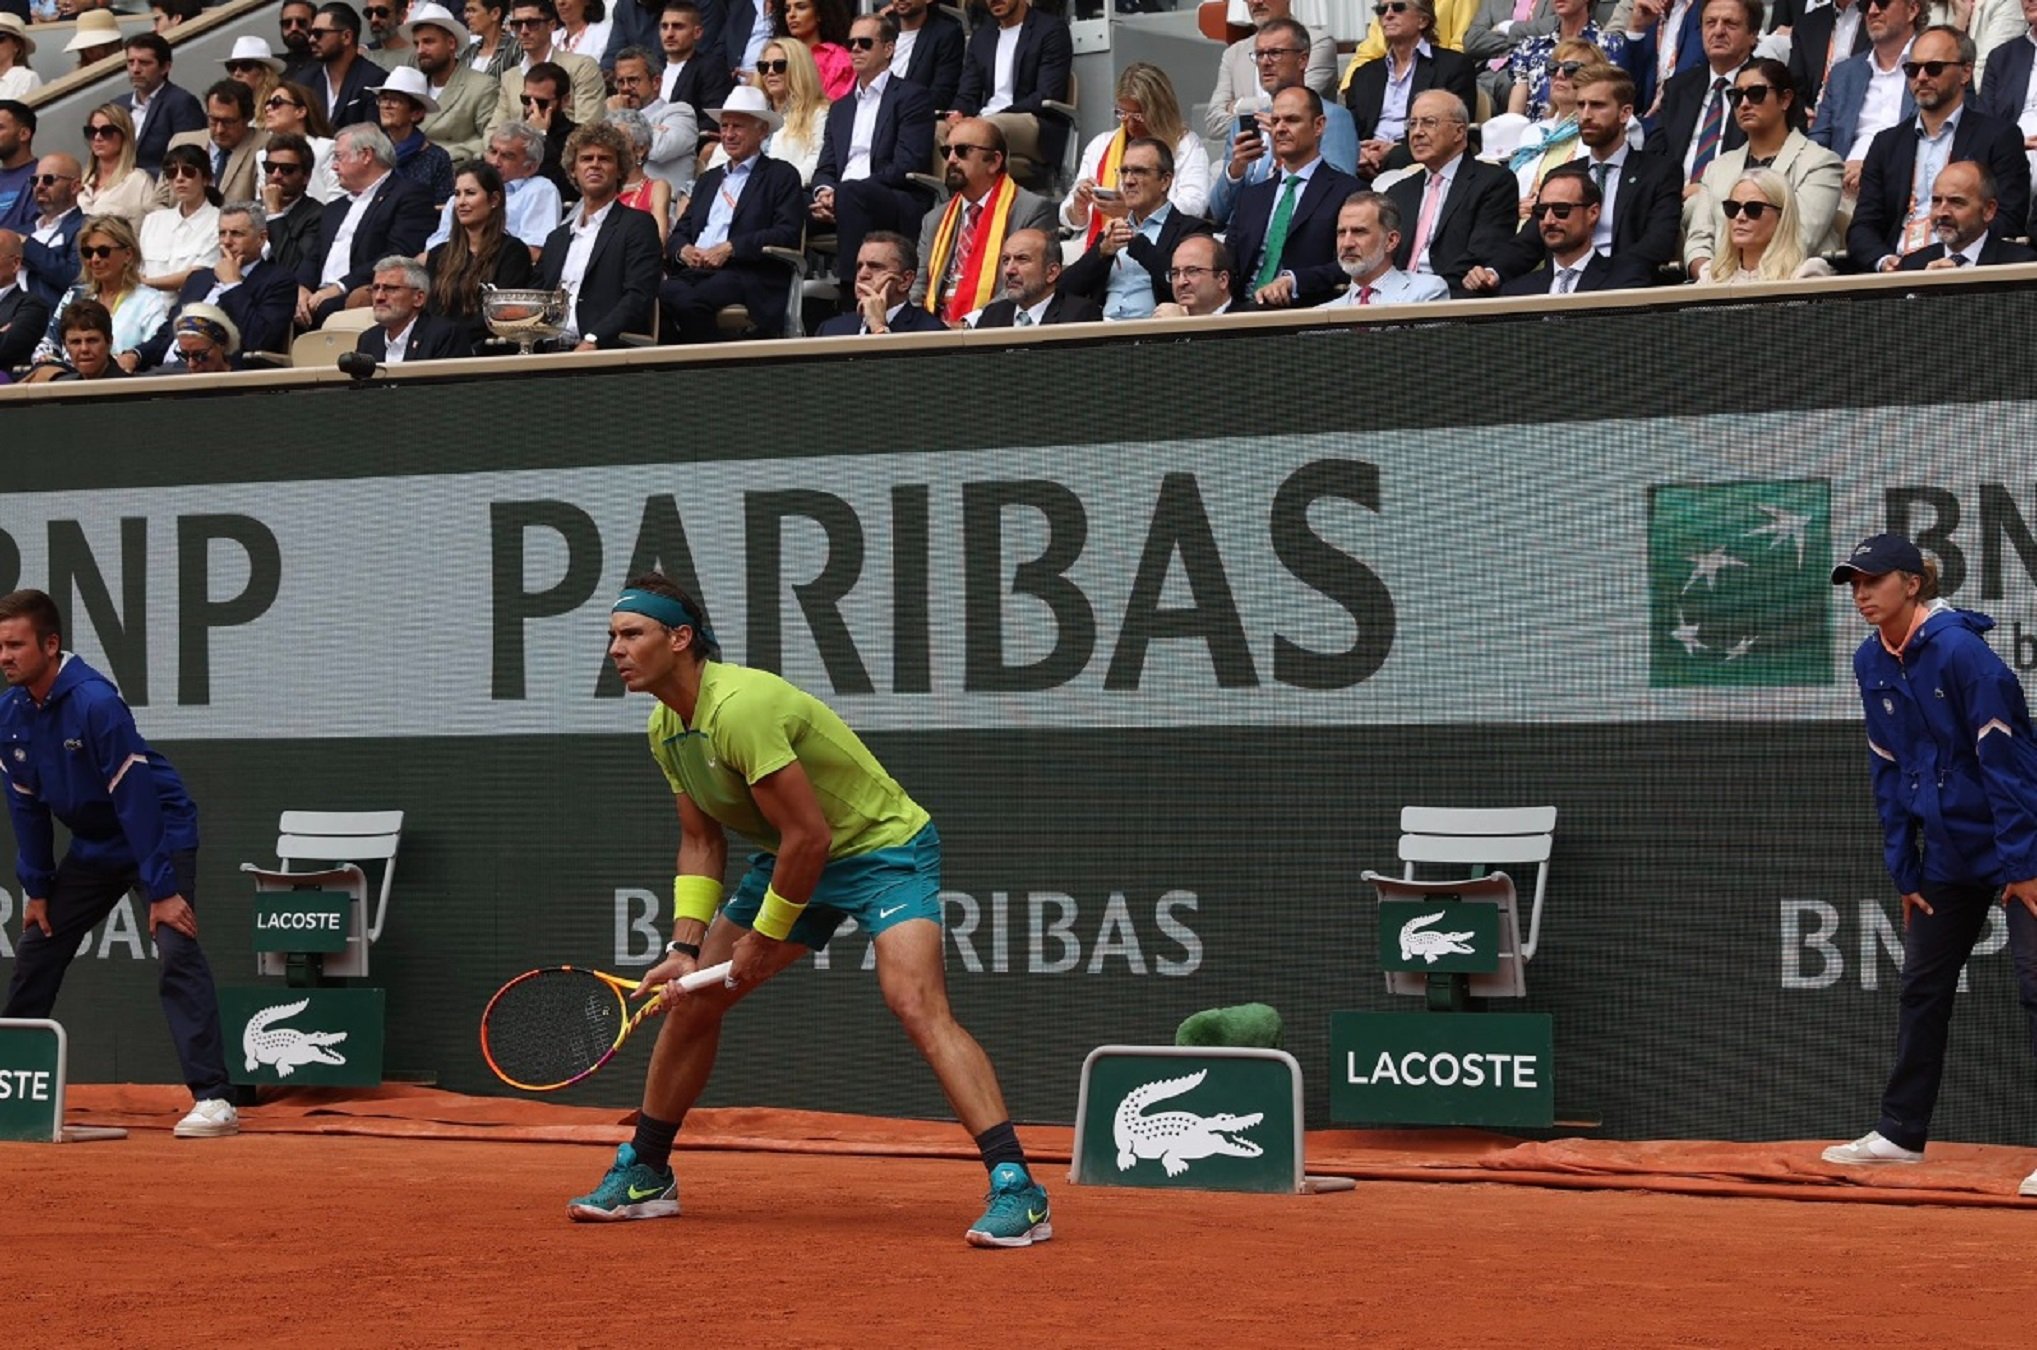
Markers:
point(69, 750)
point(1955, 783)
point(744, 750)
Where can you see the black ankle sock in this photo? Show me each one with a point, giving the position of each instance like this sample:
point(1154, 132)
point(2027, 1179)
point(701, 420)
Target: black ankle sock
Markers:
point(1000, 1144)
point(653, 1141)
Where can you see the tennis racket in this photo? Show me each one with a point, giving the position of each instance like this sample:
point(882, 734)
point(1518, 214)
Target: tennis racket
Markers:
point(548, 1029)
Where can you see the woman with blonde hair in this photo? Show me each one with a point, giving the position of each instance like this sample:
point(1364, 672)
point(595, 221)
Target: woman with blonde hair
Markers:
point(113, 185)
point(1146, 106)
point(1554, 140)
point(791, 83)
point(1762, 241)
point(109, 271)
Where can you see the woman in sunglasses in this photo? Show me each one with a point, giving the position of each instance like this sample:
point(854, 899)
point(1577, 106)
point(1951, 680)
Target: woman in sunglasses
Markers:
point(480, 250)
point(17, 77)
point(791, 83)
point(1529, 65)
point(1554, 140)
point(822, 27)
point(1763, 102)
point(113, 185)
point(182, 237)
point(290, 110)
point(1761, 242)
point(109, 273)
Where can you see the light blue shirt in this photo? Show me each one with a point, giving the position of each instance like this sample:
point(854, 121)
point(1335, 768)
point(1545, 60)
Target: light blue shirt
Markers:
point(1393, 108)
point(1393, 287)
point(760, 37)
point(531, 207)
point(1339, 146)
point(721, 212)
point(1130, 292)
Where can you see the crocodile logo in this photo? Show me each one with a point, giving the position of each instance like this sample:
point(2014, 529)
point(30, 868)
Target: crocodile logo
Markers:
point(1177, 1138)
point(286, 1048)
point(1418, 939)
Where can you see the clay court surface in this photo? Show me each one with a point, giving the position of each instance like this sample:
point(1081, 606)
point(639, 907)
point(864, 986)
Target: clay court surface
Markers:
point(343, 1239)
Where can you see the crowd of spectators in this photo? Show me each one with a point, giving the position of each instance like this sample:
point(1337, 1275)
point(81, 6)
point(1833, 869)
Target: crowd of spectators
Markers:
point(667, 163)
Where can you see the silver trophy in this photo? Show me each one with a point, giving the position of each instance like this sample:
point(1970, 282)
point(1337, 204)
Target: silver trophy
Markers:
point(525, 317)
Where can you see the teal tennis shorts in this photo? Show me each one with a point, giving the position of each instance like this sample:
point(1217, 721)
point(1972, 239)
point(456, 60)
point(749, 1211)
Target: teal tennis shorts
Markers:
point(879, 890)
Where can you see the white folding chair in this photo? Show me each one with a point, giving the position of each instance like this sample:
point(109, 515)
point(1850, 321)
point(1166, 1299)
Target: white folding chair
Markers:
point(342, 840)
point(1475, 842)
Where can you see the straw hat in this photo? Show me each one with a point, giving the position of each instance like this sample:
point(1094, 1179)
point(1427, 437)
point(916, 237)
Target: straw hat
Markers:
point(749, 100)
point(436, 16)
point(96, 28)
point(251, 48)
point(410, 81)
point(12, 26)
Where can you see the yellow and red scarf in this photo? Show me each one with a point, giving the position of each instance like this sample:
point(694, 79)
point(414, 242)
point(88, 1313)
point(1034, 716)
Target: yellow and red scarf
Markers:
point(977, 285)
point(1106, 177)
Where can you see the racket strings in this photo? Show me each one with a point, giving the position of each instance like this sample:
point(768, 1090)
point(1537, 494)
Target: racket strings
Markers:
point(552, 1026)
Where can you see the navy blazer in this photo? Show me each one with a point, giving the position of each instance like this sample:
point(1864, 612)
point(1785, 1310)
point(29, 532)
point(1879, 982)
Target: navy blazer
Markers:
point(261, 307)
point(911, 319)
point(294, 235)
point(1089, 275)
point(901, 143)
point(1996, 252)
point(1839, 110)
point(397, 221)
point(53, 267)
point(1808, 41)
point(1473, 226)
point(1040, 68)
point(619, 289)
point(771, 213)
point(1601, 273)
point(432, 339)
point(1891, 163)
point(1063, 308)
point(1676, 122)
point(2007, 82)
point(1647, 221)
point(1439, 68)
point(1311, 251)
point(703, 84)
point(355, 103)
point(172, 112)
point(24, 317)
point(936, 61)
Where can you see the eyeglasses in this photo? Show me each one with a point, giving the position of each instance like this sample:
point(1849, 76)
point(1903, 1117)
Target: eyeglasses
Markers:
point(862, 44)
point(1274, 53)
point(325, 32)
point(1189, 273)
point(1753, 210)
point(1136, 171)
point(288, 24)
point(243, 67)
point(778, 67)
point(282, 101)
point(1127, 114)
point(1757, 94)
point(281, 166)
point(94, 252)
point(1391, 7)
point(95, 132)
point(1928, 69)
point(1560, 210)
point(539, 103)
point(52, 179)
point(379, 288)
point(183, 171)
point(1567, 69)
point(956, 150)
point(1430, 123)
point(376, 11)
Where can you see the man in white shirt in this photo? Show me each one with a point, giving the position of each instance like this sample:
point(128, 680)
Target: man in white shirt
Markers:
point(1963, 207)
point(675, 129)
point(605, 255)
point(403, 331)
point(1368, 232)
point(1014, 66)
point(49, 250)
point(877, 135)
point(465, 97)
point(364, 161)
point(1865, 95)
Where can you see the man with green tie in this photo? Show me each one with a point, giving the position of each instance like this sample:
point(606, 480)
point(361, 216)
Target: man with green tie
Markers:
point(1284, 230)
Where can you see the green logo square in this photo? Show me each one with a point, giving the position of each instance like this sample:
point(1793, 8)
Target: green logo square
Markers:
point(1739, 590)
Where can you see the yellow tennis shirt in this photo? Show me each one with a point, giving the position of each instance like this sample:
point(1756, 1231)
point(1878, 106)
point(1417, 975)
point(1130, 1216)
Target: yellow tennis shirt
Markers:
point(747, 725)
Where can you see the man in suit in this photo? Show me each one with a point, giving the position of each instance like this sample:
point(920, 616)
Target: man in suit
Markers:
point(738, 209)
point(403, 332)
point(928, 51)
point(1848, 118)
point(2005, 86)
point(631, 23)
point(1822, 39)
point(1031, 267)
point(675, 129)
point(49, 250)
point(230, 141)
point(693, 76)
point(1240, 71)
point(1284, 231)
point(1368, 232)
point(876, 135)
point(1014, 65)
point(1695, 121)
point(344, 78)
point(160, 109)
point(1963, 207)
point(885, 267)
point(378, 214)
point(1665, 38)
point(260, 296)
point(605, 256)
point(1566, 215)
point(1640, 214)
point(1463, 210)
point(533, 22)
point(1494, 31)
point(292, 213)
point(959, 245)
point(465, 97)
point(1893, 216)
point(1125, 271)
point(1280, 47)
point(293, 25)
point(1381, 91)
point(1201, 277)
point(24, 316)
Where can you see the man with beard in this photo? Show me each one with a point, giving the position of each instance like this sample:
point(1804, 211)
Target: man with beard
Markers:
point(465, 97)
point(1368, 232)
point(1566, 214)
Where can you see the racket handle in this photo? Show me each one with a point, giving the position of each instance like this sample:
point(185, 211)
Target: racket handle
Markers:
point(700, 979)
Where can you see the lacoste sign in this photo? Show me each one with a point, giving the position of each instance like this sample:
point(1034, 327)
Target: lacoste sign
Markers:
point(1209, 1119)
point(1436, 1068)
point(1439, 936)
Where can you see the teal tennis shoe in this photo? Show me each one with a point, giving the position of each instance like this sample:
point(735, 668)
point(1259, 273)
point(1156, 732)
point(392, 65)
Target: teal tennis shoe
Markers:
point(630, 1190)
point(1017, 1215)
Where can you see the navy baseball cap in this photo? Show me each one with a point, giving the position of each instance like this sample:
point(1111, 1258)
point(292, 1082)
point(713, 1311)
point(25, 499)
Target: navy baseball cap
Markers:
point(1878, 556)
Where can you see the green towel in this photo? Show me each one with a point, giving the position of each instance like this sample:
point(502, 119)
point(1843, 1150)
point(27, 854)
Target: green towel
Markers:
point(1249, 1024)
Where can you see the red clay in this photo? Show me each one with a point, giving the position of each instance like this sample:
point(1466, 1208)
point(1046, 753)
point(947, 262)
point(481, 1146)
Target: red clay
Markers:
point(275, 1239)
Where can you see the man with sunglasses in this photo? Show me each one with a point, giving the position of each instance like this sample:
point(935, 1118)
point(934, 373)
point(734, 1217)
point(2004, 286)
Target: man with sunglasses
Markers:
point(533, 22)
point(1694, 123)
point(1239, 72)
point(876, 138)
point(1565, 216)
point(160, 109)
point(291, 212)
point(17, 165)
point(1893, 216)
point(1279, 49)
point(1379, 92)
point(961, 243)
point(345, 80)
point(50, 248)
point(1368, 233)
point(230, 141)
point(1865, 95)
point(545, 98)
point(293, 24)
point(386, 34)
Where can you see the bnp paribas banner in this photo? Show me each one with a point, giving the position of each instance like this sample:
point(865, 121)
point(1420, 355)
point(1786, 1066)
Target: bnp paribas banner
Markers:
point(1615, 571)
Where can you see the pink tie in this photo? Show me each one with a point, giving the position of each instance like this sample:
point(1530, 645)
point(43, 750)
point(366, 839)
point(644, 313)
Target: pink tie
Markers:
point(1364, 295)
point(1432, 197)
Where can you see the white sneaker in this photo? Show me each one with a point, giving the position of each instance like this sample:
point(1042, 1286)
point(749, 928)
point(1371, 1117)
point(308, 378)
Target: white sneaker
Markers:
point(2029, 1186)
point(210, 1119)
point(1872, 1148)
